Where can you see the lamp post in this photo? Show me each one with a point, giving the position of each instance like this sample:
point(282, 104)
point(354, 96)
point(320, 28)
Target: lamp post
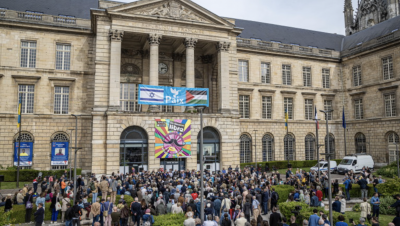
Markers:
point(328, 157)
point(397, 159)
point(76, 150)
point(69, 162)
point(201, 109)
point(255, 147)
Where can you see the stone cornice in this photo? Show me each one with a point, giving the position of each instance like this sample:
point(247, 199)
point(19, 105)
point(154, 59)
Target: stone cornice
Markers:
point(308, 93)
point(62, 79)
point(266, 91)
point(288, 92)
point(31, 77)
point(388, 88)
point(328, 94)
point(246, 89)
point(357, 93)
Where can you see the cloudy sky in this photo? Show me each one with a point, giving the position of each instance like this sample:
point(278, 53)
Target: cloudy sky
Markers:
point(320, 15)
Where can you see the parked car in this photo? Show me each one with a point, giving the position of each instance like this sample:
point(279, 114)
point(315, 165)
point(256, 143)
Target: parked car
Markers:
point(323, 166)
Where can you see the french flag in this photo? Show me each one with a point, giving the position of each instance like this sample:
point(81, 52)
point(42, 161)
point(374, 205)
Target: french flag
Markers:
point(316, 117)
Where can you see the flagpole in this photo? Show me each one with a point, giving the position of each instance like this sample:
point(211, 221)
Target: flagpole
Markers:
point(344, 134)
point(19, 137)
point(316, 129)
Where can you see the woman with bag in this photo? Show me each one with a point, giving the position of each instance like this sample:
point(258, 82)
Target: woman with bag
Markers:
point(54, 208)
point(365, 209)
point(41, 199)
point(28, 200)
point(64, 207)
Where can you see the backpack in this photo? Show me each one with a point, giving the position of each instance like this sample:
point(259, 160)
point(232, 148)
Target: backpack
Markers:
point(275, 196)
point(47, 197)
point(92, 186)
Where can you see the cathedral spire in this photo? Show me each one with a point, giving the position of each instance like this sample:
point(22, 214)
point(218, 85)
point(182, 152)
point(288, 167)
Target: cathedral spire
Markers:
point(348, 16)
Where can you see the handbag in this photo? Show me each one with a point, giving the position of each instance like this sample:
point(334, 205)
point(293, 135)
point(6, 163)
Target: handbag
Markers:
point(28, 204)
point(110, 190)
point(58, 206)
point(105, 213)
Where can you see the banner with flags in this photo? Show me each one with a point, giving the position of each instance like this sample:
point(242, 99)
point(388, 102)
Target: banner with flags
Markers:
point(173, 96)
point(316, 117)
point(343, 120)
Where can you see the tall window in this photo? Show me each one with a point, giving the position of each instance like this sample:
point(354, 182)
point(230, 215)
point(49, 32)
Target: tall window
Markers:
point(307, 76)
point(243, 71)
point(286, 75)
point(309, 111)
point(267, 107)
point(331, 145)
point(390, 105)
point(357, 76)
point(289, 145)
point(63, 55)
point(61, 100)
point(129, 97)
point(245, 149)
point(28, 54)
point(392, 138)
point(27, 93)
point(358, 107)
point(328, 107)
point(309, 147)
point(267, 148)
point(361, 143)
point(265, 73)
point(326, 83)
point(387, 66)
point(244, 106)
point(288, 105)
point(166, 108)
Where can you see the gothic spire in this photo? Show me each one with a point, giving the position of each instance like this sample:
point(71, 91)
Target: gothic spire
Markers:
point(348, 5)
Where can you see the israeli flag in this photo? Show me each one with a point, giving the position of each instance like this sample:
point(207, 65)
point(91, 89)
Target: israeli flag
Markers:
point(151, 94)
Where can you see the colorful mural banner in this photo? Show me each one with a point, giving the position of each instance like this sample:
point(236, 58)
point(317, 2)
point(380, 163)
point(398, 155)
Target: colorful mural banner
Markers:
point(173, 138)
point(173, 96)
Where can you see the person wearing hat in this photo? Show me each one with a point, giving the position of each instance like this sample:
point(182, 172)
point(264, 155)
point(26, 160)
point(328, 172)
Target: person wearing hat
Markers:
point(147, 217)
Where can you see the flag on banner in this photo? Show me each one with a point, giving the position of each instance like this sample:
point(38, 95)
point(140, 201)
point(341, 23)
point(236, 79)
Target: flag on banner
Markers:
point(151, 95)
point(343, 120)
point(316, 117)
point(196, 97)
point(19, 111)
point(286, 119)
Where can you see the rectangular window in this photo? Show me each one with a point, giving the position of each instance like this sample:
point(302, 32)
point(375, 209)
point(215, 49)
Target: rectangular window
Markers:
point(390, 105)
point(244, 106)
point(288, 104)
point(358, 106)
point(267, 107)
point(326, 83)
point(129, 97)
point(28, 54)
point(357, 76)
point(63, 56)
point(243, 71)
point(27, 93)
point(265, 73)
point(307, 76)
point(387, 65)
point(308, 107)
point(328, 107)
point(286, 75)
point(61, 100)
point(166, 108)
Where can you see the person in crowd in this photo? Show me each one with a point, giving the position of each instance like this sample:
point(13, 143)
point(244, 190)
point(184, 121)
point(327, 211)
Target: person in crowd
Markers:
point(39, 215)
point(314, 200)
point(362, 222)
point(53, 209)
point(363, 187)
point(336, 205)
point(147, 217)
point(347, 185)
point(20, 196)
point(314, 218)
point(341, 221)
point(241, 221)
point(28, 201)
point(41, 199)
point(95, 210)
point(275, 217)
point(343, 207)
point(365, 208)
point(375, 202)
point(375, 221)
point(115, 217)
point(136, 211)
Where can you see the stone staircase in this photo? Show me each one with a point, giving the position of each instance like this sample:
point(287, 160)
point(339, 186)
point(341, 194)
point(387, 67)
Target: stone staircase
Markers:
point(349, 204)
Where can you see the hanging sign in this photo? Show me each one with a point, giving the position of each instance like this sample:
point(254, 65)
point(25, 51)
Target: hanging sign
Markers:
point(59, 153)
point(173, 96)
point(173, 138)
point(26, 152)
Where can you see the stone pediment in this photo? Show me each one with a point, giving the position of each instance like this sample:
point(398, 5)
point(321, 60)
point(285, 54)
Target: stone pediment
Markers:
point(184, 10)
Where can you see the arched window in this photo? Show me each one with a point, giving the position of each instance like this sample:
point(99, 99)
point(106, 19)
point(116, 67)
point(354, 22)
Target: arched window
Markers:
point(211, 149)
point(59, 151)
point(309, 147)
point(245, 149)
point(392, 139)
point(268, 148)
point(331, 145)
point(60, 137)
point(134, 149)
point(289, 144)
point(25, 137)
point(361, 143)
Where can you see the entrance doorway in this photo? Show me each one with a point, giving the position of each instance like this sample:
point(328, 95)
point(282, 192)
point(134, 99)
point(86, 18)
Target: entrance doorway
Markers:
point(174, 164)
point(133, 150)
point(211, 150)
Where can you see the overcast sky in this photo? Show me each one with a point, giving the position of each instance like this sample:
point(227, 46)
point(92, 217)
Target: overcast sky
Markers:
point(319, 15)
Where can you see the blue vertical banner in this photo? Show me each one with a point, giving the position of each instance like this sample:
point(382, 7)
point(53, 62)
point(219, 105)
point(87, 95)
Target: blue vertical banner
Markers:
point(25, 155)
point(59, 153)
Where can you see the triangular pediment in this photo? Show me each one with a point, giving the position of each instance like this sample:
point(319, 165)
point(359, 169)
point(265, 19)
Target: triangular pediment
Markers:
point(178, 10)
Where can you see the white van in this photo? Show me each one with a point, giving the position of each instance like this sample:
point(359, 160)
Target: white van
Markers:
point(323, 166)
point(355, 162)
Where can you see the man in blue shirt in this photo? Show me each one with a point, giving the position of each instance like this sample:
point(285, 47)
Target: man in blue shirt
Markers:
point(265, 200)
point(347, 188)
point(313, 220)
point(314, 200)
point(375, 205)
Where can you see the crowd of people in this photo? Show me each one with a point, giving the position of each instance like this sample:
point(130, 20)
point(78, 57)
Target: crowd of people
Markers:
point(231, 197)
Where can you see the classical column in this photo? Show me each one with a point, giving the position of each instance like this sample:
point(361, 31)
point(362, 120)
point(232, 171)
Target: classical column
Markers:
point(154, 41)
point(177, 74)
point(190, 44)
point(115, 68)
point(223, 77)
point(146, 67)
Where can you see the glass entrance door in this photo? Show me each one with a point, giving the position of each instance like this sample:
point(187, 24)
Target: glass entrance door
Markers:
point(173, 164)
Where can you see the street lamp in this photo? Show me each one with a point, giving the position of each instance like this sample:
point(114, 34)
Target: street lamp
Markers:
point(201, 109)
point(255, 147)
point(397, 155)
point(328, 157)
point(76, 150)
point(69, 162)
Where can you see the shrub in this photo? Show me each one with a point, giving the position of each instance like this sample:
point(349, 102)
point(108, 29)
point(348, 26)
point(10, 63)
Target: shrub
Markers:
point(305, 213)
point(384, 207)
point(283, 192)
point(355, 192)
point(357, 207)
point(7, 218)
point(390, 187)
point(169, 220)
point(29, 175)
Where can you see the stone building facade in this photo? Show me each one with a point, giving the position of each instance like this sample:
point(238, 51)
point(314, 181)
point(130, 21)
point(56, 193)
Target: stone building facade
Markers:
point(89, 63)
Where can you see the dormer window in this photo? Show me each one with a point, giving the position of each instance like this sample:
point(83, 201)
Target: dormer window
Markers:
point(275, 41)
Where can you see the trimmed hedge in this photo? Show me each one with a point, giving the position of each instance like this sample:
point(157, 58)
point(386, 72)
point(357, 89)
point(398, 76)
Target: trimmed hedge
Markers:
point(29, 174)
point(283, 164)
point(283, 192)
point(305, 212)
point(18, 211)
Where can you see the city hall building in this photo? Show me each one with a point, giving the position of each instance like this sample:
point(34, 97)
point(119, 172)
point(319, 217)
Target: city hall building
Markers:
point(87, 58)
